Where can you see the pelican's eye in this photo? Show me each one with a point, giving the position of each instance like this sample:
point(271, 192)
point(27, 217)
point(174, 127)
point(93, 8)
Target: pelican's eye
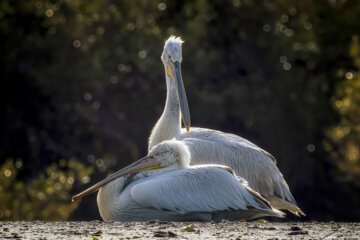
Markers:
point(157, 154)
point(169, 58)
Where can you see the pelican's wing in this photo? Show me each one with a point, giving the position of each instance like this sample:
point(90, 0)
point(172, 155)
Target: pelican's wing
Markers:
point(249, 161)
point(195, 189)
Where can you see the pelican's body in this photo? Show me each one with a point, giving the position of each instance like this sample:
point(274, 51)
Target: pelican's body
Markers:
point(181, 195)
point(249, 161)
point(170, 190)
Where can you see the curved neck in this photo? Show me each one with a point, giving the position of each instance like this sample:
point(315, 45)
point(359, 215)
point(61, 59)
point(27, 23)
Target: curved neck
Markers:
point(169, 124)
point(172, 108)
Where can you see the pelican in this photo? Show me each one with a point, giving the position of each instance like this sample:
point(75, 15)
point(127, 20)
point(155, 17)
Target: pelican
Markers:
point(163, 186)
point(248, 160)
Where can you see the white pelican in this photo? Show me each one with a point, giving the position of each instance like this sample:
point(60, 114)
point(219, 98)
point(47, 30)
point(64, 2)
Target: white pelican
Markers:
point(163, 186)
point(249, 161)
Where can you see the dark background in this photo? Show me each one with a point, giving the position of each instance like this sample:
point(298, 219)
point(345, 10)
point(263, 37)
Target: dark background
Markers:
point(82, 85)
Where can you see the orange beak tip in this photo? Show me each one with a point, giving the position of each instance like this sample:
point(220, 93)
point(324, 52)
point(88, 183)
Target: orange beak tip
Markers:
point(188, 128)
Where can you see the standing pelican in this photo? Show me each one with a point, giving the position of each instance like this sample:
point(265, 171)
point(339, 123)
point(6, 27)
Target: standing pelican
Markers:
point(249, 161)
point(163, 186)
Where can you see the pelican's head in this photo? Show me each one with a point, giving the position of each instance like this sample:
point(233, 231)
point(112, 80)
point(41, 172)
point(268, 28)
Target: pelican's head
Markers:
point(172, 50)
point(169, 154)
point(172, 58)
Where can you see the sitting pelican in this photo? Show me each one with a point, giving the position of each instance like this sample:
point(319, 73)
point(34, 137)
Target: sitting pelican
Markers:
point(249, 161)
point(163, 186)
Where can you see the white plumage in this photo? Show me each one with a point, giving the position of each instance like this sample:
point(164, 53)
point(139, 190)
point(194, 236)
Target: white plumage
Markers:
point(177, 191)
point(249, 161)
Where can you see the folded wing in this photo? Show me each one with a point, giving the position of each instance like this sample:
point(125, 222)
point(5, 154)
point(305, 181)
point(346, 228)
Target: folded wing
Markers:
point(197, 189)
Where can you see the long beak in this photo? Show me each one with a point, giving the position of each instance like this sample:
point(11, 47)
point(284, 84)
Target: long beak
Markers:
point(184, 107)
point(143, 164)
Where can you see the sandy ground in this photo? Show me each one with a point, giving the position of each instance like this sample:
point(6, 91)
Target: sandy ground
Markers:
point(94, 230)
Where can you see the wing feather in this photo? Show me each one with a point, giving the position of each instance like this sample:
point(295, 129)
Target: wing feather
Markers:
point(248, 160)
point(195, 190)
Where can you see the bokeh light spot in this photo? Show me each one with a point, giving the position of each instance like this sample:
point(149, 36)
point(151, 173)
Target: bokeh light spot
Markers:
point(100, 31)
point(54, 175)
point(92, 38)
point(267, 28)
point(70, 180)
point(87, 96)
point(38, 5)
point(91, 158)
point(284, 18)
point(77, 44)
point(162, 6)
point(292, 11)
point(130, 26)
point(7, 173)
point(307, 26)
point(62, 179)
point(297, 46)
point(96, 105)
point(95, 17)
point(41, 195)
point(112, 8)
point(283, 59)
point(99, 162)
point(287, 66)
point(349, 75)
point(18, 164)
point(124, 68)
point(85, 179)
point(114, 79)
point(142, 54)
point(289, 32)
point(49, 13)
point(310, 147)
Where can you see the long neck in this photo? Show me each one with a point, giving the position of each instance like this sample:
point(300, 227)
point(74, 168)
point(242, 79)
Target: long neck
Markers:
point(172, 108)
point(169, 124)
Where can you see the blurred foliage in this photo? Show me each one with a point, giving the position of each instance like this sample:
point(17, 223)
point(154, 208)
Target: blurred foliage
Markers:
point(45, 197)
point(84, 80)
point(346, 134)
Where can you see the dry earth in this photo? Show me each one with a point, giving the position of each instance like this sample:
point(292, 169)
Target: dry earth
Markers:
point(94, 230)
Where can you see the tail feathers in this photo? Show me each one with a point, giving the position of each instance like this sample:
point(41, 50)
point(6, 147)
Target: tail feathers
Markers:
point(284, 205)
point(257, 213)
point(278, 213)
point(244, 215)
